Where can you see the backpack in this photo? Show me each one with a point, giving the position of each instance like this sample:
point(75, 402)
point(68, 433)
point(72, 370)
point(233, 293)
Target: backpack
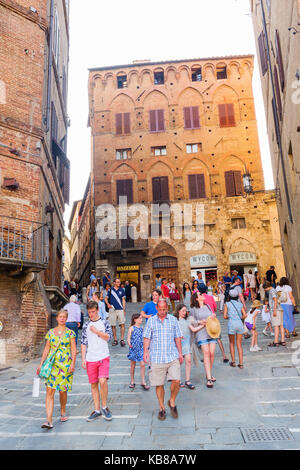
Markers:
point(227, 296)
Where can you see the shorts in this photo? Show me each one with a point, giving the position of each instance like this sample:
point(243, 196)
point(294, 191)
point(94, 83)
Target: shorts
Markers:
point(115, 315)
point(206, 341)
point(160, 372)
point(97, 370)
point(249, 325)
point(235, 327)
point(278, 320)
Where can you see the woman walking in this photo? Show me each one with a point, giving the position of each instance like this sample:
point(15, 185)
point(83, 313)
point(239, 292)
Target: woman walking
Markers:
point(235, 312)
point(288, 303)
point(181, 314)
point(251, 284)
point(136, 349)
point(60, 341)
point(198, 317)
point(186, 294)
point(92, 288)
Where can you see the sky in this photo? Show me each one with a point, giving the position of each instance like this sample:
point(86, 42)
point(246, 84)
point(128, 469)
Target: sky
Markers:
point(115, 32)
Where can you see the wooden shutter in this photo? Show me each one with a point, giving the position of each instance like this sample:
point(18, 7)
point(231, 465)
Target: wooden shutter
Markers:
point(262, 53)
point(229, 182)
point(164, 188)
point(160, 120)
point(226, 115)
point(156, 189)
point(238, 183)
point(279, 59)
point(124, 188)
point(195, 117)
point(277, 90)
point(152, 121)
point(196, 186)
point(222, 115)
point(126, 119)
point(119, 123)
point(66, 190)
point(187, 118)
point(192, 186)
point(230, 115)
point(54, 122)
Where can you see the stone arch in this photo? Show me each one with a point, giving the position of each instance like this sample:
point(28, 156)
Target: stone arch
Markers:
point(171, 74)
point(225, 94)
point(153, 100)
point(123, 171)
point(190, 96)
point(236, 244)
point(160, 168)
point(147, 78)
point(207, 248)
point(195, 166)
point(133, 78)
point(230, 163)
point(164, 249)
point(234, 68)
point(185, 75)
point(209, 71)
point(122, 103)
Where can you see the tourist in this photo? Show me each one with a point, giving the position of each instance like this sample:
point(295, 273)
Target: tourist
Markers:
point(106, 279)
point(60, 343)
point(199, 279)
point(195, 287)
point(93, 287)
point(162, 348)
point(73, 287)
point(288, 304)
point(227, 281)
point(186, 294)
point(66, 288)
point(221, 293)
point(93, 276)
point(271, 276)
point(165, 291)
point(235, 274)
point(181, 314)
point(235, 313)
point(101, 306)
point(237, 286)
point(136, 349)
point(115, 300)
point(150, 308)
point(265, 316)
point(158, 281)
point(95, 359)
point(74, 315)
point(257, 284)
point(198, 316)
point(250, 322)
point(251, 284)
point(276, 314)
point(127, 291)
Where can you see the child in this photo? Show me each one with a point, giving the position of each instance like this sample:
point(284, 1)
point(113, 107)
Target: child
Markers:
point(250, 322)
point(181, 314)
point(266, 317)
point(136, 349)
point(101, 306)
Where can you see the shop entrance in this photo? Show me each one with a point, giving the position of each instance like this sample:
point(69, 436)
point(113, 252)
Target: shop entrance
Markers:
point(165, 266)
point(210, 274)
point(132, 274)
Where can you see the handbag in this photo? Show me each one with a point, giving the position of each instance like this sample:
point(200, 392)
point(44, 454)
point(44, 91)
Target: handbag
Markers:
point(48, 364)
point(295, 311)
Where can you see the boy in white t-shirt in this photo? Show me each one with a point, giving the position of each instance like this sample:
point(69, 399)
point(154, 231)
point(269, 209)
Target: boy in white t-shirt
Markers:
point(95, 358)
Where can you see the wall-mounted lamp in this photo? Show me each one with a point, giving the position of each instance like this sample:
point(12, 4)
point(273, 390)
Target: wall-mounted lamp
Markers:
point(247, 183)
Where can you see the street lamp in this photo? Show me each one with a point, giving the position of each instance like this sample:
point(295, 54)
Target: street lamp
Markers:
point(247, 182)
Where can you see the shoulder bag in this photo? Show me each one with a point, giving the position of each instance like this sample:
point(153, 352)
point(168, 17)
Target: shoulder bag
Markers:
point(48, 364)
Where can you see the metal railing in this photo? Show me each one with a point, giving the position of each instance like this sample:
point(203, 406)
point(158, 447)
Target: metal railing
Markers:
point(23, 240)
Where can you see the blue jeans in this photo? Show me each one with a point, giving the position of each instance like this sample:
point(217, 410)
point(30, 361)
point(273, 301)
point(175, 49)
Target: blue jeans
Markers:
point(73, 325)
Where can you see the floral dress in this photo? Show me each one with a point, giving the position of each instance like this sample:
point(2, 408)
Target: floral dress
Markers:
point(136, 340)
point(60, 378)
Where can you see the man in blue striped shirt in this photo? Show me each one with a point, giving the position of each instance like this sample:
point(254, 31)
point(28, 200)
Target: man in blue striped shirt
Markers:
point(162, 349)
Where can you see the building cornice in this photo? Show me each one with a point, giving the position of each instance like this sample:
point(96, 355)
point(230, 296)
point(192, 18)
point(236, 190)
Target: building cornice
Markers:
point(25, 13)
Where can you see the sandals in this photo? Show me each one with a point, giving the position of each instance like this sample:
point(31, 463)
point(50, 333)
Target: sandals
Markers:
point(64, 418)
point(132, 386)
point(145, 387)
point(181, 385)
point(209, 383)
point(282, 343)
point(232, 364)
point(241, 366)
point(47, 425)
point(225, 360)
point(114, 343)
point(295, 334)
point(213, 379)
point(122, 342)
point(189, 385)
point(273, 345)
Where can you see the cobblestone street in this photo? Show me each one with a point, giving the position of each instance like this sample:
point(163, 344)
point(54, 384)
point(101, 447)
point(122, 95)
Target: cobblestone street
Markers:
point(265, 394)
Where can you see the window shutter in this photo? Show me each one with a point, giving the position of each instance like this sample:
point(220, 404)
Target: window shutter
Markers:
point(200, 186)
point(222, 115)
point(119, 123)
point(238, 183)
point(67, 183)
point(152, 120)
point(195, 117)
point(160, 120)
point(229, 182)
point(54, 122)
point(230, 115)
point(164, 188)
point(124, 188)
point(279, 59)
point(192, 187)
point(187, 118)
point(262, 53)
point(156, 189)
point(126, 117)
point(277, 89)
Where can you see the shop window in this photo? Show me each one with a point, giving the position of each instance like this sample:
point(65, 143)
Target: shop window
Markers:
point(159, 78)
point(122, 81)
point(158, 151)
point(238, 223)
point(123, 154)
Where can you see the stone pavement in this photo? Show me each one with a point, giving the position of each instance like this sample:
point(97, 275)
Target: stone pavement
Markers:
point(263, 396)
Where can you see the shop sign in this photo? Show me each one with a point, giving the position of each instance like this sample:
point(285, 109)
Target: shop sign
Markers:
point(128, 268)
point(146, 277)
point(242, 257)
point(203, 261)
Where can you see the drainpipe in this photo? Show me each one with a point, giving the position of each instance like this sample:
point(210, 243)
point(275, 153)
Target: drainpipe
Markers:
point(275, 114)
point(47, 117)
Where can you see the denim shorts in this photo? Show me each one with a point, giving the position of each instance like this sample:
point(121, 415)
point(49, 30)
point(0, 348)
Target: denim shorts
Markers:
point(235, 327)
point(206, 341)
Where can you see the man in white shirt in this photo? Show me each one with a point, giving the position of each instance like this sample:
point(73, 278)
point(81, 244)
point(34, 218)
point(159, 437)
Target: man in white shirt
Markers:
point(74, 315)
point(95, 359)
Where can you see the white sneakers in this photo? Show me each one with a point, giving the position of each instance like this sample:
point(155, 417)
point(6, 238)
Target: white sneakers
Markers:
point(255, 348)
point(265, 332)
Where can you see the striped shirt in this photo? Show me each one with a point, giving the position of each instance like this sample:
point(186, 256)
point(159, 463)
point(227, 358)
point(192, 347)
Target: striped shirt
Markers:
point(162, 335)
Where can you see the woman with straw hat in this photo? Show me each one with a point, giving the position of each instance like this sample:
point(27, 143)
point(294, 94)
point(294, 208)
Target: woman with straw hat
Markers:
point(206, 338)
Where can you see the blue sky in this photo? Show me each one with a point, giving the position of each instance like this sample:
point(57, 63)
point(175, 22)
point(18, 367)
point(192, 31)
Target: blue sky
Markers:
point(104, 33)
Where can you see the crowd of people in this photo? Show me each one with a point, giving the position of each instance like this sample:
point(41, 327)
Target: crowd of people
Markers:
point(179, 328)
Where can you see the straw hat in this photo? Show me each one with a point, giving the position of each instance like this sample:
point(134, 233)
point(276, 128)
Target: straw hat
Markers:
point(213, 327)
point(256, 304)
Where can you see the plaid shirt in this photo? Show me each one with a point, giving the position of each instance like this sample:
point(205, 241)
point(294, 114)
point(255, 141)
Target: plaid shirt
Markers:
point(162, 336)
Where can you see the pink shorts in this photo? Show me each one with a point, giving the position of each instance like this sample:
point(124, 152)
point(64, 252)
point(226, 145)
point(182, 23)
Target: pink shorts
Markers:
point(97, 370)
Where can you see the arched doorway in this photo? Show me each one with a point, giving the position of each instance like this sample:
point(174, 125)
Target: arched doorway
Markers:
point(167, 267)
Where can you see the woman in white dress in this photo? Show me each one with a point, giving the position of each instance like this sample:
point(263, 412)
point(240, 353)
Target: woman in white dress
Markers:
point(251, 283)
